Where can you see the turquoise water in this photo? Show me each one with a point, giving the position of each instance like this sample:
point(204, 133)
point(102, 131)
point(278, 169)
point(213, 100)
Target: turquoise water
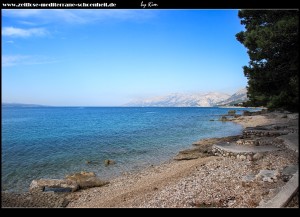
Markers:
point(50, 142)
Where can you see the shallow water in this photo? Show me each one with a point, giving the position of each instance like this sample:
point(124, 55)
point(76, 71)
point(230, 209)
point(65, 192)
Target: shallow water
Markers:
point(50, 142)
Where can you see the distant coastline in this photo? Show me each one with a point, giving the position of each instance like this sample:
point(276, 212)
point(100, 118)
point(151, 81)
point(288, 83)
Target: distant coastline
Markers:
point(23, 105)
point(38, 105)
point(237, 107)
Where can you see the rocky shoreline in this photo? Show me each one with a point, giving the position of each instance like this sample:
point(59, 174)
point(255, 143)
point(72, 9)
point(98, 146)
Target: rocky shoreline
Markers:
point(208, 175)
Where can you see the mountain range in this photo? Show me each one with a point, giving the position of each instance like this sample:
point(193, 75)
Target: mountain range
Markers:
point(192, 100)
point(238, 97)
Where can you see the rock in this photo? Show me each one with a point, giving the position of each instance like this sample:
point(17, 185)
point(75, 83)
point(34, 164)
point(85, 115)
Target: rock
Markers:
point(211, 141)
point(239, 142)
point(267, 175)
point(231, 203)
point(288, 172)
point(91, 182)
point(35, 186)
point(231, 112)
point(82, 175)
point(194, 153)
point(65, 203)
point(247, 113)
point(249, 157)
point(257, 156)
point(41, 184)
point(86, 180)
point(188, 156)
point(223, 118)
point(248, 180)
point(267, 179)
point(243, 157)
point(109, 162)
point(91, 162)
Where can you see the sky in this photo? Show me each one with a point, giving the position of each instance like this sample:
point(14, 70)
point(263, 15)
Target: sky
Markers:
point(69, 57)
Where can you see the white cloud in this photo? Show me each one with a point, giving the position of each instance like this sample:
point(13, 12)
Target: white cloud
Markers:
point(19, 32)
point(43, 16)
point(13, 60)
point(27, 23)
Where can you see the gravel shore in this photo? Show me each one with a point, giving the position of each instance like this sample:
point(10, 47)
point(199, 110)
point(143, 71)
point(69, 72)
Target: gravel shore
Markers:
point(207, 181)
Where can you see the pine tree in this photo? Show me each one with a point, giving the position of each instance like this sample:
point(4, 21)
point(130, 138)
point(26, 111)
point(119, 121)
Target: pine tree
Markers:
point(271, 37)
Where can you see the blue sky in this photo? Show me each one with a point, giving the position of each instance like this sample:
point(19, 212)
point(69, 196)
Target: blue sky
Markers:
point(110, 57)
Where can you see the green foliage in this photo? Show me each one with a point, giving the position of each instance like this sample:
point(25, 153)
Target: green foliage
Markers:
point(271, 37)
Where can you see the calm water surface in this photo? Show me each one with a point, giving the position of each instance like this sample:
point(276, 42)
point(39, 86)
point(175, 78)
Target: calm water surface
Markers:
point(50, 142)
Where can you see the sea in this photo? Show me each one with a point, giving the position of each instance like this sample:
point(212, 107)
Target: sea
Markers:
point(52, 142)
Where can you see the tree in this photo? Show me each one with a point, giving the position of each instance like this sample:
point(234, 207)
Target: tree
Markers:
point(271, 39)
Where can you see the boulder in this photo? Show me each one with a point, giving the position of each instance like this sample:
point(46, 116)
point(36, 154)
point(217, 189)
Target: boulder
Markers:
point(86, 180)
point(257, 156)
point(72, 182)
point(41, 184)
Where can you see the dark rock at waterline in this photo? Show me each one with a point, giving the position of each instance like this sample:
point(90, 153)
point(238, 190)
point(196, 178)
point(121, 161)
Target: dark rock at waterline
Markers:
point(248, 113)
point(231, 112)
point(211, 141)
point(203, 148)
point(197, 152)
point(187, 156)
point(91, 162)
point(81, 175)
point(109, 162)
point(223, 118)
